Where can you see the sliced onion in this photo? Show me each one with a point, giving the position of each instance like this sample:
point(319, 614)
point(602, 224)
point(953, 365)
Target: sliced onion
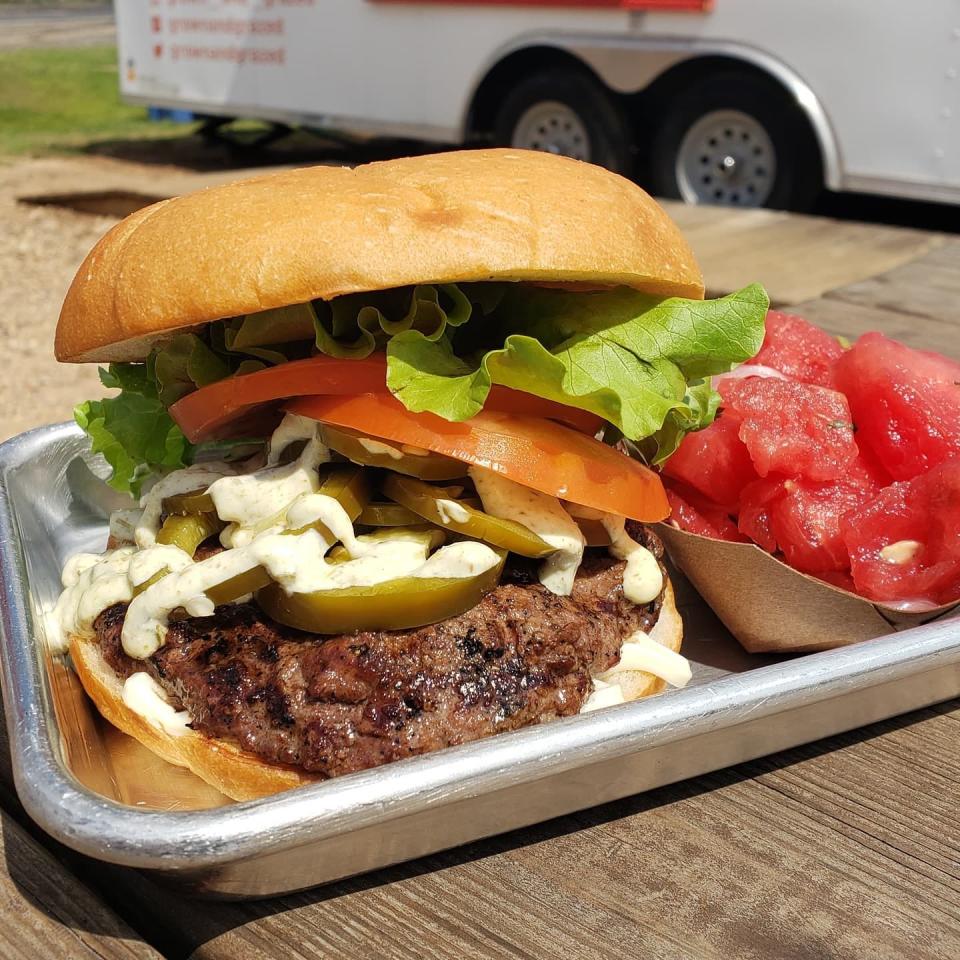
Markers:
point(748, 370)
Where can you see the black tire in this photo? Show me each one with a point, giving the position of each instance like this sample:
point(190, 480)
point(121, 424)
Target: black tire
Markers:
point(607, 130)
point(799, 174)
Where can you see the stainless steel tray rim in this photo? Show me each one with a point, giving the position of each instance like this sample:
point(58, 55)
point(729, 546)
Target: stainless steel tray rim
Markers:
point(101, 827)
point(140, 837)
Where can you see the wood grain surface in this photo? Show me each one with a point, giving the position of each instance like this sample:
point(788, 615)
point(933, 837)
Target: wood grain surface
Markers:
point(847, 849)
point(45, 911)
point(796, 257)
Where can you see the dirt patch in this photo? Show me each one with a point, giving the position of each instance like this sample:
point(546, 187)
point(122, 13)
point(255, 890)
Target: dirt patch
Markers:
point(40, 250)
point(74, 201)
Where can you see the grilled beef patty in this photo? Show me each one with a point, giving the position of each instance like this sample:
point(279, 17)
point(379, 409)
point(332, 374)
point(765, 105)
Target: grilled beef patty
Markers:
point(334, 705)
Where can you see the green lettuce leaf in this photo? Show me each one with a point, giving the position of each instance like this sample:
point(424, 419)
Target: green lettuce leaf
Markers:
point(133, 430)
point(639, 362)
point(698, 411)
point(355, 325)
point(184, 364)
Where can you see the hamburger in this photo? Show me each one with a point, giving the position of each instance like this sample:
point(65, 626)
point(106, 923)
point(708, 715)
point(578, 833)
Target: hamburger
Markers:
point(389, 434)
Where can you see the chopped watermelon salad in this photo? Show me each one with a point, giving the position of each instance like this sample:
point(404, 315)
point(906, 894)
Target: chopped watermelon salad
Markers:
point(843, 462)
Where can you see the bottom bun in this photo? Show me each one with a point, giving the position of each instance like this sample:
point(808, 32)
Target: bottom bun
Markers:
point(243, 776)
point(668, 632)
point(234, 772)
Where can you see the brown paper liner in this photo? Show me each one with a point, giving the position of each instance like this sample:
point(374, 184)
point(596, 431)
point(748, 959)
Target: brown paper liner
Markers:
point(769, 606)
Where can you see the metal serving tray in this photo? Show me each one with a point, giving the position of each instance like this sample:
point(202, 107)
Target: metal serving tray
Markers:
point(78, 784)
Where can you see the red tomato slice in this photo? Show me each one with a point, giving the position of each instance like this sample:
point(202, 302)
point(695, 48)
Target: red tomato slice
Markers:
point(534, 452)
point(207, 412)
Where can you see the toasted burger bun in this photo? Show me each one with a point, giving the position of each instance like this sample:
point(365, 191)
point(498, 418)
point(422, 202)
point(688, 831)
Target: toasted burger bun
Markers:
point(321, 232)
point(668, 631)
point(232, 771)
point(242, 775)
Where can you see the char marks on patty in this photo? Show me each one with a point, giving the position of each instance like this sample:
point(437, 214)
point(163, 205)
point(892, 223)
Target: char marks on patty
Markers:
point(333, 705)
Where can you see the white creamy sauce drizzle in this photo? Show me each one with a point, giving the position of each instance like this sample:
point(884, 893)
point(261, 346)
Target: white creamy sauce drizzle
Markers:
point(642, 578)
point(901, 552)
point(378, 447)
point(145, 564)
point(145, 625)
point(317, 507)
point(254, 503)
point(144, 696)
point(180, 481)
point(640, 651)
point(92, 582)
point(603, 695)
point(450, 510)
point(292, 429)
point(545, 516)
point(465, 559)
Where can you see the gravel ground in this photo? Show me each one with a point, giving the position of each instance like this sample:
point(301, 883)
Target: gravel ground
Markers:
point(40, 250)
point(32, 26)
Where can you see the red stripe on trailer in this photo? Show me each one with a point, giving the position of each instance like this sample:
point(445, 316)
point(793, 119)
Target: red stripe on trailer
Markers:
point(699, 6)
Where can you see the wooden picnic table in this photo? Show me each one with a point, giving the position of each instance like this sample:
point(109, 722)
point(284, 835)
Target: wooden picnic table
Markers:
point(846, 848)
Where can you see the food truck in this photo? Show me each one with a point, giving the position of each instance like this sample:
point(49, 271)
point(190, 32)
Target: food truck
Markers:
point(740, 102)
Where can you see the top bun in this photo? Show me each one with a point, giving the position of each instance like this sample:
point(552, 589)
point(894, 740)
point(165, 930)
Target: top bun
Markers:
point(321, 232)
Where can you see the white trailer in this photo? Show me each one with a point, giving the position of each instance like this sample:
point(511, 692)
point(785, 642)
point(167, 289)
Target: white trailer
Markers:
point(748, 102)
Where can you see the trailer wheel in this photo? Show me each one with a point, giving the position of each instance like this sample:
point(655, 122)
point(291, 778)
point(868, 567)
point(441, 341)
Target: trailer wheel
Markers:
point(567, 113)
point(735, 139)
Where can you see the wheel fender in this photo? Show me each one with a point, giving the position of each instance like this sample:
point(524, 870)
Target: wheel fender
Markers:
point(630, 64)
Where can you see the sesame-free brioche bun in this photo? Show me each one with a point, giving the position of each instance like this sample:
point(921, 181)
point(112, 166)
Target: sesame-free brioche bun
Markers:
point(320, 232)
point(243, 776)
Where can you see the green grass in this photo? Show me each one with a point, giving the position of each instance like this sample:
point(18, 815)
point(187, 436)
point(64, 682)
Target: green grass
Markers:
point(60, 99)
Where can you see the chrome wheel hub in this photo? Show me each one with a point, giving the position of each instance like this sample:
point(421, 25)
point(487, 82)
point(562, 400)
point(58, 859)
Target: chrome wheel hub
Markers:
point(726, 158)
point(552, 127)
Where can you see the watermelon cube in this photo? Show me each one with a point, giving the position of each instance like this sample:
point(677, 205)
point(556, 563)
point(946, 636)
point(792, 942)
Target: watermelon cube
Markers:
point(798, 349)
point(803, 519)
point(696, 514)
point(905, 403)
point(796, 429)
point(904, 545)
point(714, 461)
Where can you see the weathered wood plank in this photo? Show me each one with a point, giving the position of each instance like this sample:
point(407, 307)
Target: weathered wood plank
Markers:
point(41, 891)
point(846, 848)
point(797, 258)
point(928, 287)
point(46, 912)
point(844, 318)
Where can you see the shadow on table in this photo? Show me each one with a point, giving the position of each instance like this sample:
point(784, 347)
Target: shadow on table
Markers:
point(195, 151)
point(151, 909)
